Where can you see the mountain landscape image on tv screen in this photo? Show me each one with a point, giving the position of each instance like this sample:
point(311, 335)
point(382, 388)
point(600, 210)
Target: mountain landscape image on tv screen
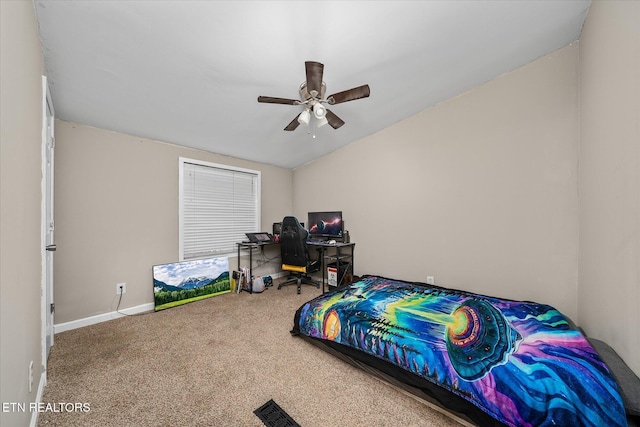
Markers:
point(184, 282)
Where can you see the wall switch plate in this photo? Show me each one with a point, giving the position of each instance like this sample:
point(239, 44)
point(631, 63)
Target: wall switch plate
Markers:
point(121, 288)
point(431, 280)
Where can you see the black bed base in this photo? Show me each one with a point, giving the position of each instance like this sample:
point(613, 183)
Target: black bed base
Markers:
point(451, 404)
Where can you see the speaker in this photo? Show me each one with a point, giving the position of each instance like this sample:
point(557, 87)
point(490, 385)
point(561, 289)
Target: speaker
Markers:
point(277, 228)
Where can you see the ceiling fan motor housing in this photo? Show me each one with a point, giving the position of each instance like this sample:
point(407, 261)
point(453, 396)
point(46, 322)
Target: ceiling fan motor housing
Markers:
point(304, 93)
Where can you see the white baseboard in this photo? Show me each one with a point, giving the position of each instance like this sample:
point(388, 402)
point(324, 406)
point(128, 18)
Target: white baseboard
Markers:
point(87, 321)
point(41, 384)
point(74, 324)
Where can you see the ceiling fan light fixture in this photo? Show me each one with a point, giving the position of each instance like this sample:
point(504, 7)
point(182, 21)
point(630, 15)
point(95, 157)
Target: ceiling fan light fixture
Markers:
point(304, 117)
point(321, 121)
point(319, 111)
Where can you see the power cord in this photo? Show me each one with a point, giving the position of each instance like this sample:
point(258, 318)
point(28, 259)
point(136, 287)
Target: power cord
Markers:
point(125, 314)
point(118, 307)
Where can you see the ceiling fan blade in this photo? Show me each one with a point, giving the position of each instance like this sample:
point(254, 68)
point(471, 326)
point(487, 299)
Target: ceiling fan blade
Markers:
point(334, 120)
point(274, 100)
point(293, 125)
point(349, 95)
point(314, 77)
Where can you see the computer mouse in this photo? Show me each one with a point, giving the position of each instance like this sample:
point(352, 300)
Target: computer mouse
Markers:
point(331, 242)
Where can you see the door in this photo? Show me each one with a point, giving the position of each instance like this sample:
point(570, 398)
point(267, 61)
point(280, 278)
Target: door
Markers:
point(48, 222)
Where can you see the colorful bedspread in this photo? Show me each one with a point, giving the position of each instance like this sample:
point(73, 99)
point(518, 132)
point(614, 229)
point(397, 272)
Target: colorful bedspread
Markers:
point(520, 362)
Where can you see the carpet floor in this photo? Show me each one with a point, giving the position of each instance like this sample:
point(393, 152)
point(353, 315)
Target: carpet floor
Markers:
point(213, 363)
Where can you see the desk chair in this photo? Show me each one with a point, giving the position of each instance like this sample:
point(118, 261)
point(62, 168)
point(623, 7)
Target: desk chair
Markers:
point(295, 254)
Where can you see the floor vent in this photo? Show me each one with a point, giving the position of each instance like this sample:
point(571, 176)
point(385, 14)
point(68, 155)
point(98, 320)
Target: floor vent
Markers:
point(272, 415)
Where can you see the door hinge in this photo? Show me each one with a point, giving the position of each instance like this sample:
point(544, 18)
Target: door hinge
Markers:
point(53, 308)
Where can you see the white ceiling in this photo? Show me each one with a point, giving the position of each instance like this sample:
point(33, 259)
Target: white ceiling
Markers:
point(190, 72)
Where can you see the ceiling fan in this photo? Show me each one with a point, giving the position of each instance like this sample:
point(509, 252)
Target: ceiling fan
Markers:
point(312, 97)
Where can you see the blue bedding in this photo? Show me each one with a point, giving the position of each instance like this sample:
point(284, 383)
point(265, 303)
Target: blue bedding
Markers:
point(522, 363)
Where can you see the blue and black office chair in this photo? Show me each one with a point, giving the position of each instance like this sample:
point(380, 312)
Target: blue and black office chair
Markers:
point(295, 254)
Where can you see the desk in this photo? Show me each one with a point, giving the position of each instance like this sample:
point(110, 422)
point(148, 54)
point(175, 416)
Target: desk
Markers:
point(250, 246)
point(338, 257)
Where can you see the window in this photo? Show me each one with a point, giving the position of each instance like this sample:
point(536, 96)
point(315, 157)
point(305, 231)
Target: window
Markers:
point(217, 205)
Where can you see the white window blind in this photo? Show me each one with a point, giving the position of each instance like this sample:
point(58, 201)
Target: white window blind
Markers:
point(219, 204)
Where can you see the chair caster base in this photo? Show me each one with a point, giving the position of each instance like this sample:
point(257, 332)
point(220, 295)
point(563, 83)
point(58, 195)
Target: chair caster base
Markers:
point(299, 281)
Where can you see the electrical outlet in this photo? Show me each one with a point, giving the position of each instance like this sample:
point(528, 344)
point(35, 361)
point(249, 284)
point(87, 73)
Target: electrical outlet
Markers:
point(121, 288)
point(431, 280)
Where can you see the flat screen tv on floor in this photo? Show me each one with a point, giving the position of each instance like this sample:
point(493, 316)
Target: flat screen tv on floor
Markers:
point(183, 282)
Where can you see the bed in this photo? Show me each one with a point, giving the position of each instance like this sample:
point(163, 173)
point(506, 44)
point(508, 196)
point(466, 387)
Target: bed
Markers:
point(486, 361)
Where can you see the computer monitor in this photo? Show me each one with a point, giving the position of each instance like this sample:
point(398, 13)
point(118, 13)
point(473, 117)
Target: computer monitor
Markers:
point(326, 224)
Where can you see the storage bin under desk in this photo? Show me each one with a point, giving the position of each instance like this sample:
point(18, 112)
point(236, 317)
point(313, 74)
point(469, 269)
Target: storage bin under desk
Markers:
point(339, 254)
point(344, 272)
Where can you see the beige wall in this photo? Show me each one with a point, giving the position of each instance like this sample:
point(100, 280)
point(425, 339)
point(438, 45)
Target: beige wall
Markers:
point(479, 191)
point(117, 215)
point(609, 268)
point(21, 69)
